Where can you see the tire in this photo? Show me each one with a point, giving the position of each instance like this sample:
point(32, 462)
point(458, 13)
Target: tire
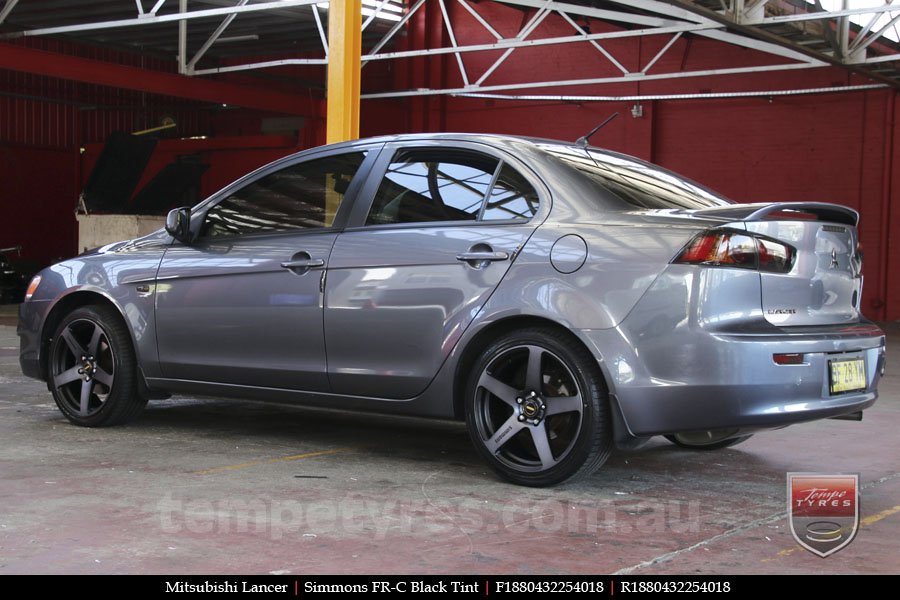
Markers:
point(696, 441)
point(537, 408)
point(92, 370)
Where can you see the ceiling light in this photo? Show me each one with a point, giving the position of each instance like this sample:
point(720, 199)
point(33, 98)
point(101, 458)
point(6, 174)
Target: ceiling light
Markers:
point(392, 10)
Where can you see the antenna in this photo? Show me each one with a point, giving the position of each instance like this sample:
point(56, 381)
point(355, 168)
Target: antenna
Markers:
point(583, 140)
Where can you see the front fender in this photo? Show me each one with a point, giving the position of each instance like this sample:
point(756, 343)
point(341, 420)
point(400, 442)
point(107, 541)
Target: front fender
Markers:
point(122, 276)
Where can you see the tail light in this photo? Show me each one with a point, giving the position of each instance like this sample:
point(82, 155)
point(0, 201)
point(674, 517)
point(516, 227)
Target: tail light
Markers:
point(740, 250)
point(774, 257)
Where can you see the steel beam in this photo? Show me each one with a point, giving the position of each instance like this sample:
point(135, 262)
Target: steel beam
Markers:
point(594, 43)
point(182, 39)
point(692, 96)
point(669, 11)
point(452, 36)
point(268, 64)
point(830, 14)
point(74, 68)
point(754, 43)
point(843, 33)
point(517, 43)
point(737, 10)
point(393, 30)
point(693, 13)
point(881, 59)
point(376, 10)
point(321, 28)
point(874, 36)
point(662, 51)
point(598, 80)
point(480, 19)
point(212, 38)
point(597, 13)
point(7, 8)
point(860, 36)
point(344, 51)
point(149, 19)
point(536, 20)
point(766, 36)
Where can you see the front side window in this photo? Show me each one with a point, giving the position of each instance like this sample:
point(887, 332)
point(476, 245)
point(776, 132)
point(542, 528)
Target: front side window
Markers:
point(301, 196)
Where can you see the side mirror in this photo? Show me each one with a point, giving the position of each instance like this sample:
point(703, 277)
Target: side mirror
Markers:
point(178, 224)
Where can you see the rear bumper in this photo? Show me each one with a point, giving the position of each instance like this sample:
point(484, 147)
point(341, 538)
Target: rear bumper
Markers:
point(688, 379)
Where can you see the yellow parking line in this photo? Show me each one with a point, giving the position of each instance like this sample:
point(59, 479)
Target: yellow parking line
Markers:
point(879, 516)
point(863, 523)
point(782, 553)
point(255, 463)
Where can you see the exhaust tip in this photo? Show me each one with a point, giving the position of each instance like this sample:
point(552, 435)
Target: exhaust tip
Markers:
point(854, 416)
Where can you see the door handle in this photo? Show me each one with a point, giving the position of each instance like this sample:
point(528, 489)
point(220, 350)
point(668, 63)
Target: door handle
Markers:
point(482, 256)
point(304, 263)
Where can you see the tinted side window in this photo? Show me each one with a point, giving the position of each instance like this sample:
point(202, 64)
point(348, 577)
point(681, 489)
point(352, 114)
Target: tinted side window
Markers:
point(301, 196)
point(432, 185)
point(512, 197)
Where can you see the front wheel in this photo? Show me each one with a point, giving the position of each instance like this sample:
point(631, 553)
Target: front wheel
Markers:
point(92, 371)
point(537, 408)
point(714, 439)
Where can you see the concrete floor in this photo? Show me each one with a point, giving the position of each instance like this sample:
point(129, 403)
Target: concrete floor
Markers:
point(224, 487)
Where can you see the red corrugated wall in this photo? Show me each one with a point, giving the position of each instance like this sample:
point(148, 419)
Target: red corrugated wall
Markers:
point(36, 186)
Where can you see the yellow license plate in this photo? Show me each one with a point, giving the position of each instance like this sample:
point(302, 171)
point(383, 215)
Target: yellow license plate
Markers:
point(847, 375)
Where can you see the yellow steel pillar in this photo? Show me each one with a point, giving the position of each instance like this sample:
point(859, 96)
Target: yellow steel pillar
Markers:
point(344, 50)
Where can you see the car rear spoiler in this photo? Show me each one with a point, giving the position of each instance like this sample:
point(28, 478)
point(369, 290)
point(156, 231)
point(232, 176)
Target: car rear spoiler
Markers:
point(805, 211)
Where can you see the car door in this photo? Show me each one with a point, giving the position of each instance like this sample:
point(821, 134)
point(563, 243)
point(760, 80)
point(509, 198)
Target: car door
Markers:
point(243, 304)
point(418, 260)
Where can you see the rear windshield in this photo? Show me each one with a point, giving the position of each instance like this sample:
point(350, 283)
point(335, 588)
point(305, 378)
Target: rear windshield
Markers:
point(636, 182)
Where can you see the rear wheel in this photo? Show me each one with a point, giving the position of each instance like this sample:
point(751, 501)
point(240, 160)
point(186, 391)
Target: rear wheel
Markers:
point(92, 368)
point(714, 439)
point(537, 408)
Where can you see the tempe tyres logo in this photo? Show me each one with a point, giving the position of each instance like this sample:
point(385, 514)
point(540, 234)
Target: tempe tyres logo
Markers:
point(824, 510)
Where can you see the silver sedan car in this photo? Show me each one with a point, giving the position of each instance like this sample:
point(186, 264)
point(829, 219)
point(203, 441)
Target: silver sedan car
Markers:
point(561, 299)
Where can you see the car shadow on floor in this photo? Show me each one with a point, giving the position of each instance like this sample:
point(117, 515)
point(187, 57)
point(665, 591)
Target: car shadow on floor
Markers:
point(421, 443)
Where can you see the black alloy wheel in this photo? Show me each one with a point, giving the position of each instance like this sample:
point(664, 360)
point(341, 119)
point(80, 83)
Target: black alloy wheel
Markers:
point(537, 408)
point(92, 368)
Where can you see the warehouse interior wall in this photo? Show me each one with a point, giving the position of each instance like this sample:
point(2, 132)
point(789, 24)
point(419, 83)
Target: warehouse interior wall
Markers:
point(34, 181)
point(836, 147)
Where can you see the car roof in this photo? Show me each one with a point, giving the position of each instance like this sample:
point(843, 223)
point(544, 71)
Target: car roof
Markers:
point(508, 141)
point(492, 138)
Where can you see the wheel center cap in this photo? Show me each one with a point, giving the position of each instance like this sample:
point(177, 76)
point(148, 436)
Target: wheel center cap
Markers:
point(531, 408)
point(87, 368)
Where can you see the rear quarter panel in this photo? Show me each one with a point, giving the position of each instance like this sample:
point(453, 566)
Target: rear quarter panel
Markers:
point(622, 261)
